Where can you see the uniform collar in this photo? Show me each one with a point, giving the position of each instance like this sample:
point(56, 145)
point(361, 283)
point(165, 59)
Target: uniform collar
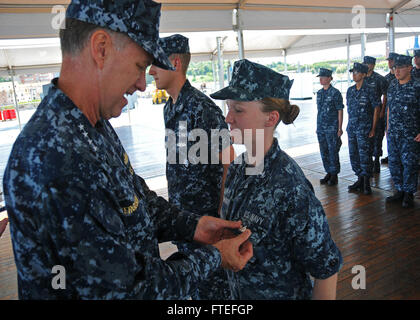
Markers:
point(75, 113)
point(269, 158)
point(179, 104)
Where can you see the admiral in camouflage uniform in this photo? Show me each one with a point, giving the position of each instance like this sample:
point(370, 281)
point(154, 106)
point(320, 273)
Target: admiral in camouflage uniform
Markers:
point(379, 86)
point(73, 198)
point(330, 104)
point(362, 107)
point(291, 236)
point(404, 132)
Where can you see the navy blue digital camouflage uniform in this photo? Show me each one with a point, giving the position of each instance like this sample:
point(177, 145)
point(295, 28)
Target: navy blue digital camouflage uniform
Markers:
point(74, 200)
point(379, 85)
point(290, 233)
point(403, 127)
point(329, 102)
point(360, 107)
point(194, 186)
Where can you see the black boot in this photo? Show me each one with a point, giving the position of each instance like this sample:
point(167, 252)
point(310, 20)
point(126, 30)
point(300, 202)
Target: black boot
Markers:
point(376, 165)
point(397, 196)
point(356, 186)
point(408, 200)
point(325, 179)
point(333, 180)
point(384, 160)
point(366, 186)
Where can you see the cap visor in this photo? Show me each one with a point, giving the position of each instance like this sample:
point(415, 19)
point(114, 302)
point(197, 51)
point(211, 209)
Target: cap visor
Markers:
point(233, 94)
point(160, 59)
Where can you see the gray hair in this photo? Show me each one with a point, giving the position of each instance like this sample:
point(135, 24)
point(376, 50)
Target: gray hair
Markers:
point(75, 36)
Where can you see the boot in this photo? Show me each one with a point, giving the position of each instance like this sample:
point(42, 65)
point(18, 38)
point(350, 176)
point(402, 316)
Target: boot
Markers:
point(366, 186)
point(325, 179)
point(376, 165)
point(333, 180)
point(356, 186)
point(384, 160)
point(408, 200)
point(397, 196)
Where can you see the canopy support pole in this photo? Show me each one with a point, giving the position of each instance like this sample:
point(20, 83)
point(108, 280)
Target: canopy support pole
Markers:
point(348, 60)
point(221, 68)
point(12, 73)
point(363, 45)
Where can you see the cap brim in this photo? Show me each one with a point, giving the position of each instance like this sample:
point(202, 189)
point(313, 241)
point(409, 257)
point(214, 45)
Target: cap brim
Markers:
point(233, 94)
point(160, 59)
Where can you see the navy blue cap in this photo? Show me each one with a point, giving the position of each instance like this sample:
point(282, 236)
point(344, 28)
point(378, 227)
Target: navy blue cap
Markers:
point(362, 68)
point(392, 56)
point(252, 81)
point(324, 72)
point(175, 43)
point(403, 60)
point(137, 19)
point(369, 60)
point(417, 52)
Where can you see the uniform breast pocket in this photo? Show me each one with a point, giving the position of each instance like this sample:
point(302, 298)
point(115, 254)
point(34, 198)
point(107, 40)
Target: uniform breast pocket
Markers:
point(258, 222)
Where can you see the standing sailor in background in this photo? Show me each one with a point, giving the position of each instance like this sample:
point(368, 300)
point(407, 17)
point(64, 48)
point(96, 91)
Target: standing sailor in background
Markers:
point(329, 126)
point(379, 86)
point(389, 78)
point(363, 107)
point(404, 132)
point(415, 72)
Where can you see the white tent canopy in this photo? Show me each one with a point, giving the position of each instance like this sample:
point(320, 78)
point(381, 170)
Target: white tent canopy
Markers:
point(270, 27)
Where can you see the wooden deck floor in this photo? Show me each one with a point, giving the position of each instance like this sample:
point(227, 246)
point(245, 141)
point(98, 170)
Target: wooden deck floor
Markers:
point(384, 239)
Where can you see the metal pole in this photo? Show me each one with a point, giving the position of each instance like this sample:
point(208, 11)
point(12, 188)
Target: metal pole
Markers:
point(285, 60)
point(236, 25)
point(11, 73)
point(241, 44)
point(213, 67)
point(391, 33)
point(221, 69)
point(348, 60)
point(363, 45)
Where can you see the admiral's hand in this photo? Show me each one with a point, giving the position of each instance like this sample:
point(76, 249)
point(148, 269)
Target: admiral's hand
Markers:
point(236, 251)
point(210, 230)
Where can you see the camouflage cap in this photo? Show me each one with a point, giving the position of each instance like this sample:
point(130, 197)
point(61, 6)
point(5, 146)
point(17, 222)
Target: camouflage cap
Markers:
point(137, 19)
point(358, 67)
point(369, 60)
point(392, 56)
point(175, 43)
point(417, 52)
point(324, 72)
point(402, 60)
point(252, 81)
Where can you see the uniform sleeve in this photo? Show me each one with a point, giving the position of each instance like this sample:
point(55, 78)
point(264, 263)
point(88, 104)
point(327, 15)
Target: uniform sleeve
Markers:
point(339, 100)
point(374, 99)
point(101, 262)
point(312, 245)
point(171, 222)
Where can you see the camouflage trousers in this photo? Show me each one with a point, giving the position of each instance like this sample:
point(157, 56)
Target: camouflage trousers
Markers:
point(360, 150)
point(379, 136)
point(403, 157)
point(329, 146)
